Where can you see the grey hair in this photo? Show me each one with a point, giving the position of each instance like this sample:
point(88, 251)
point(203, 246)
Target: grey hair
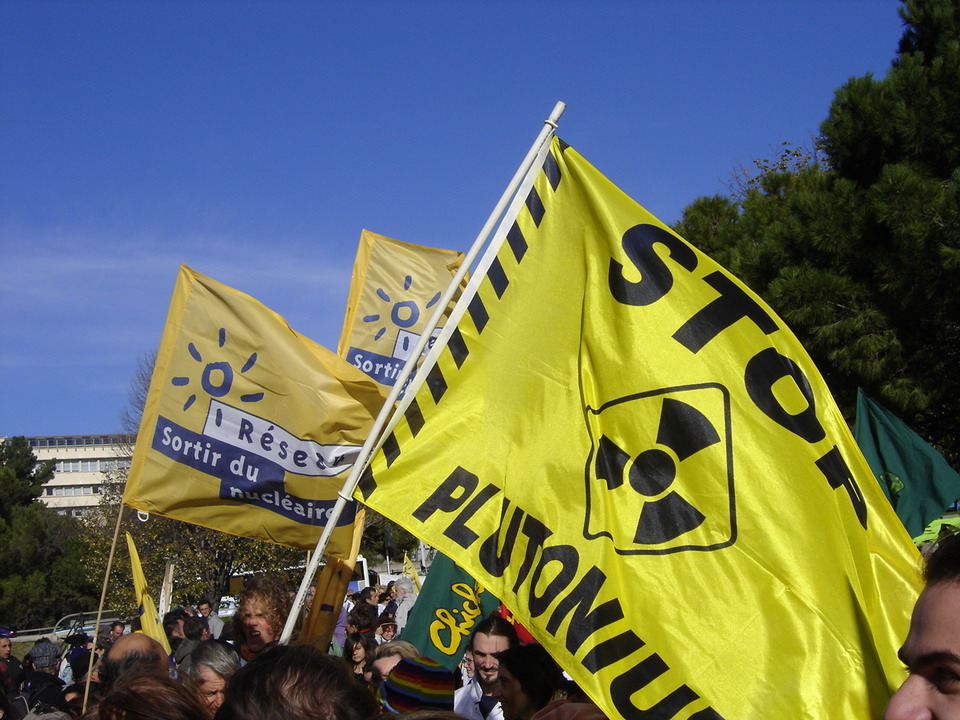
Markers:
point(404, 583)
point(216, 656)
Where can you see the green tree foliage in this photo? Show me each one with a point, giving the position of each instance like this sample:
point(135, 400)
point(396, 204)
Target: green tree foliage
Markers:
point(41, 554)
point(204, 560)
point(383, 538)
point(862, 258)
point(21, 477)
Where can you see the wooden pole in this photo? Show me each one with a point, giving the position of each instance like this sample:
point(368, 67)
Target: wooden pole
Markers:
point(103, 597)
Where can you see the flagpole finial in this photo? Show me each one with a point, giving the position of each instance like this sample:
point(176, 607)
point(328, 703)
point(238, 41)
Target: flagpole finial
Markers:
point(555, 114)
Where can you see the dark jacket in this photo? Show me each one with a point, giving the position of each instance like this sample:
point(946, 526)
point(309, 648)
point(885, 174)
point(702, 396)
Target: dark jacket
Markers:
point(46, 689)
point(11, 675)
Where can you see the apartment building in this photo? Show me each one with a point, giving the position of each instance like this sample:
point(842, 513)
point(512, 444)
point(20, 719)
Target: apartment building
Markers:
point(81, 461)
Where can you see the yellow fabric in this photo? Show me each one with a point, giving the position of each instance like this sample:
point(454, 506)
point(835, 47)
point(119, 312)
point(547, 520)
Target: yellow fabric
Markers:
point(411, 572)
point(249, 427)
point(330, 592)
point(656, 488)
point(149, 615)
point(393, 292)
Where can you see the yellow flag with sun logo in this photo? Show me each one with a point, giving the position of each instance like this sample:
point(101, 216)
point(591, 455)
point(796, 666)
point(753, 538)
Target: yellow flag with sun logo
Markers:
point(393, 292)
point(249, 427)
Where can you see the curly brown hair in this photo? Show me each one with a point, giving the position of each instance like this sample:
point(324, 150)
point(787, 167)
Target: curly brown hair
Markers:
point(273, 598)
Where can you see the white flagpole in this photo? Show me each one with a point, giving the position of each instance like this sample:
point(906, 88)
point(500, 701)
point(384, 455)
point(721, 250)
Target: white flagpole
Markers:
point(346, 492)
point(483, 266)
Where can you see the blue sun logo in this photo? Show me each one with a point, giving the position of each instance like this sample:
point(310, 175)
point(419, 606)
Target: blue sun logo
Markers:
point(217, 377)
point(404, 313)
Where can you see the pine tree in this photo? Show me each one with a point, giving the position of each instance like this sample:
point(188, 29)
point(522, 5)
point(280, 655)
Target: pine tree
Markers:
point(861, 256)
point(41, 555)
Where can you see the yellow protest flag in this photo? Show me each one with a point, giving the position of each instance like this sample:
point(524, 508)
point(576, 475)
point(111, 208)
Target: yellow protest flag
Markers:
point(411, 572)
point(249, 427)
point(393, 292)
point(635, 454)
point(331, 587)
point(149, 616)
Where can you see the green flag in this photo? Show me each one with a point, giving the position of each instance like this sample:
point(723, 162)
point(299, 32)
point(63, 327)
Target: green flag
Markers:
point(936, 528)
point(918, 480)
point(447, 609)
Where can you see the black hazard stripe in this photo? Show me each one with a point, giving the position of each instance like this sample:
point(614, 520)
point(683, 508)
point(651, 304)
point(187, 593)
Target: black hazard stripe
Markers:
point(498, 280)
point(496, 275)
point(535, 205)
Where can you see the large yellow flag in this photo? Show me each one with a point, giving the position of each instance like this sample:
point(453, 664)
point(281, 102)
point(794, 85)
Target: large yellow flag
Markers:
point(393, 292)
point(249, 427)
point(149, 616)
point(635, 454)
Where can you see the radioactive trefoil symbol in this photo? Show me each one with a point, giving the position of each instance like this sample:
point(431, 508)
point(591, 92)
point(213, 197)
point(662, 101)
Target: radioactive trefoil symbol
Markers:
point(654, 486)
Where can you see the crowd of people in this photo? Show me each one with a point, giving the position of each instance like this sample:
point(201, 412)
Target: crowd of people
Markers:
point(239, 670)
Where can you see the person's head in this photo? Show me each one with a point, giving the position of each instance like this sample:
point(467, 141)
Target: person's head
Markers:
point(296, 681)
point(388, 629)
point(358, 648)
point(45, 656)
point(492, 635)
point(263, 608)
point(173, 625)
point(418, 683)
point(931, 651)
point(149, 696)
point(6, 648)
point(116, 630)
point(526, 681)
point(73, 697)
point(103, 641)
point(468, 661)
point(363, 617)
point(385, 657)
point(369, 595)
point(403, 586)
point(196, 628)
point(204, 607)
point(212, 664)
point(133, 653)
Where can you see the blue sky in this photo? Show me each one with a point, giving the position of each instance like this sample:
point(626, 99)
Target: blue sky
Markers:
point(253, 141)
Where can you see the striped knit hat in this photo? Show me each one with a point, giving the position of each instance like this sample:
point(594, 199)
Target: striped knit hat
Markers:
point(418, 684)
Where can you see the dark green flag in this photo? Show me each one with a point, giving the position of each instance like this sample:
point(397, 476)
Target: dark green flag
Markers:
point(448, 607)
point(918, 480)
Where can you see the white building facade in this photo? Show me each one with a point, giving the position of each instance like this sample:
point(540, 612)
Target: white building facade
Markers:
point(81, 461)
